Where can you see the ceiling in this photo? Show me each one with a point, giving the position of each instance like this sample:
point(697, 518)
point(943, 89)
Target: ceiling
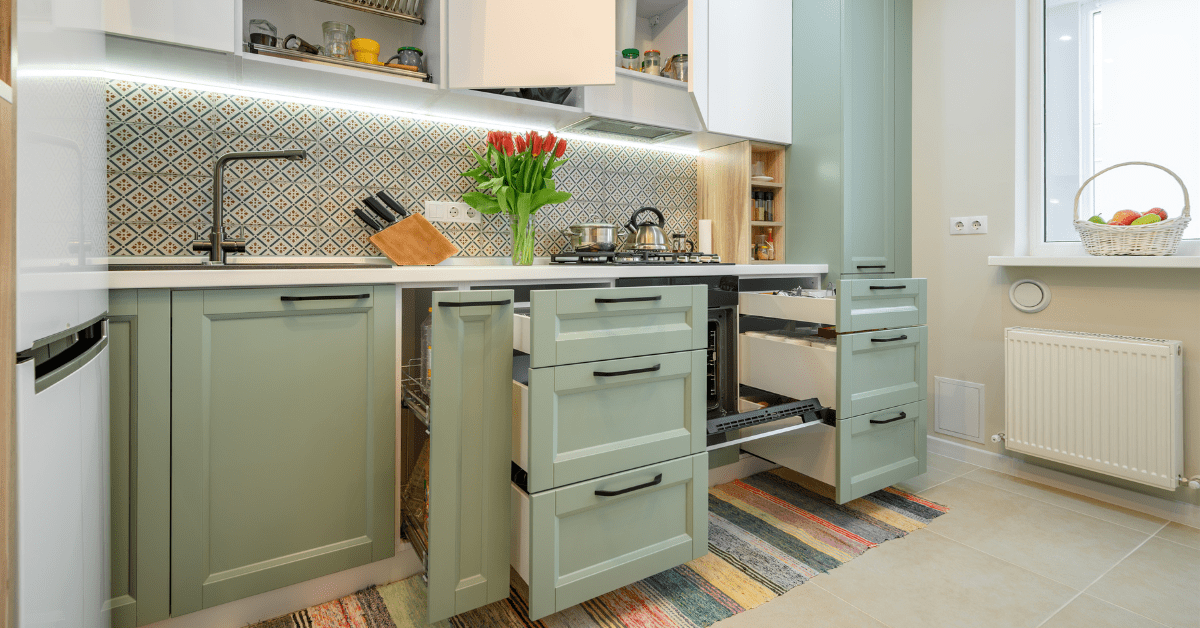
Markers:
point(650, 8)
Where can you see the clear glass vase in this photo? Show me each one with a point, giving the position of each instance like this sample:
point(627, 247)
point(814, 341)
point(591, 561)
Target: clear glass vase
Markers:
point(522, 240)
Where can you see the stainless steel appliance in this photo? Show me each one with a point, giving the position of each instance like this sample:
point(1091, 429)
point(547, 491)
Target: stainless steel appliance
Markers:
point(591, 237)
point(646, 235)
point(634, 258)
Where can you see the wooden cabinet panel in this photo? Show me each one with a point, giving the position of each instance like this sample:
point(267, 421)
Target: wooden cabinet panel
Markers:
point(283, 439)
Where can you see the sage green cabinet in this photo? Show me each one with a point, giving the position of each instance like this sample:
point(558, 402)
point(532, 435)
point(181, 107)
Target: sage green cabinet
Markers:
point(589, 420)
point(139, 330)
point(851, 148)
point(880, 369)
point(282, 437)
point(878, 449)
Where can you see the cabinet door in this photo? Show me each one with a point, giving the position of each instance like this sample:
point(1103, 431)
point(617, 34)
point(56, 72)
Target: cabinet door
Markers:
point(736, 95)
point(869, 109)
point(210, 24)
point(139, 331)
point(879, 449)
point(470, 446)
point(589, 420)
point(864, 304)
point(880, 369)
point(283, 437)
point(531, 43)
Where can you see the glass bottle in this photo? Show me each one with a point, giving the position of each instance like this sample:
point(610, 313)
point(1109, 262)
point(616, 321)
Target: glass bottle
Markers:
point(427, 352)
point(769, 201)
point(760, 247)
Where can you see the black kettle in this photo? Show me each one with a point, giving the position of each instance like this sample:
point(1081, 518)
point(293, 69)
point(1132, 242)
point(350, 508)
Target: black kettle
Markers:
point(646, 235)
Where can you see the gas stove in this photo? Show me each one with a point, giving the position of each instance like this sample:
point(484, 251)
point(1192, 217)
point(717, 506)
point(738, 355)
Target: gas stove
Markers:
point(643, 258)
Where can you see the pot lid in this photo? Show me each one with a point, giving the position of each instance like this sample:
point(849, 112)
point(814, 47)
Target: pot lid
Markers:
point(595, 224)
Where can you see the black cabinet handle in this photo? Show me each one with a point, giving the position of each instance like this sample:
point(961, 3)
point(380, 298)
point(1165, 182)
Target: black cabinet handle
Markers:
point(650, 369)
point(630, 299)
point(657, 480)
point(902, 416)
point(900, 287)
point(473, 303)
point(331, 297)
point(889, 339)
point(876, 266)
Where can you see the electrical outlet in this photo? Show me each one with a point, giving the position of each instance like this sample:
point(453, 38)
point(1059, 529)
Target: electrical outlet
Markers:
point(968, 225)
point(440, 211)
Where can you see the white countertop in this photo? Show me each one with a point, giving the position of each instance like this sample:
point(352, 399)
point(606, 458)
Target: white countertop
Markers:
point(442, 275)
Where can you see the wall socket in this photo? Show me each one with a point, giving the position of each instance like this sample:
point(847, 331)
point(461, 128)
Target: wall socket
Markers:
point(441, 211)
point(968, 225)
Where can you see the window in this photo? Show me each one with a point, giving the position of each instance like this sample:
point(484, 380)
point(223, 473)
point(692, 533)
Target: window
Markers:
point(1121, 82)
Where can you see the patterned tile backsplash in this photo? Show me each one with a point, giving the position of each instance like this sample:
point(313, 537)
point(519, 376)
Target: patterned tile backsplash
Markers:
point(162, 140)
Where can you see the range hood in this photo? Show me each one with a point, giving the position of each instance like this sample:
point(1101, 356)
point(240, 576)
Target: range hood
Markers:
point(609, 129)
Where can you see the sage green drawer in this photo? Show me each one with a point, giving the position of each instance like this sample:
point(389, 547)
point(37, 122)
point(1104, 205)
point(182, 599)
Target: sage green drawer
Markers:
point(582, 545)
point(880, 304)
point(880, 369)
point(590, 324)
point(879, 449)
point(303, 299)
point(592, 419)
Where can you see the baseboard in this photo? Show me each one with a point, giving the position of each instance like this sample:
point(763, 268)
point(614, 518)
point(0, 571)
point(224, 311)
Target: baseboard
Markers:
point(271, 604)
point(1181, 512)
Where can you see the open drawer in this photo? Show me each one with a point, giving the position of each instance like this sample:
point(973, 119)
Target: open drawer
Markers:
point(577, 542)
point(870, 371)
point(861, 304)
point(582, 421)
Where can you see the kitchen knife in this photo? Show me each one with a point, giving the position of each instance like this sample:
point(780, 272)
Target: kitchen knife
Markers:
point(381, 211)
point(393, 203)
point(367, 218)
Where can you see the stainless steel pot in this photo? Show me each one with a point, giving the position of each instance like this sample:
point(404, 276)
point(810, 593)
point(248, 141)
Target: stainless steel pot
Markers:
point(594, 236)
point(646, 236)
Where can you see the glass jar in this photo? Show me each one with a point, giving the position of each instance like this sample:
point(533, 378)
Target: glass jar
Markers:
point(652, 63)
point(337, 40)
point(410, 56)
point(679, 67)
point(629, 59)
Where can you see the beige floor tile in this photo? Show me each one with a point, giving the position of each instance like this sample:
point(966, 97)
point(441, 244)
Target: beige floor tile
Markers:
point(949, 465)
point(807, 605)
point(1061, 544)
point(1179, 533)
point(1088, 612)
point(1071, 501)
point(926, 480)
point(928, 581)
point(1161, 580)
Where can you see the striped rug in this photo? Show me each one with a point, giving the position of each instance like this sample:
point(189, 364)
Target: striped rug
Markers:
point(767, 534)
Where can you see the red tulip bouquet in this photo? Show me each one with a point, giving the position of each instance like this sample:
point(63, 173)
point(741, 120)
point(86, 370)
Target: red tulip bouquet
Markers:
point(516, 176)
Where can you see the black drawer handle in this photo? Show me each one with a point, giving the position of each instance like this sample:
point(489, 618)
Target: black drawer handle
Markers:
point(649, 369)
point(473, 303)
point(332, 297)
point(902, 416)
point(889, 339)
point(657, 480)
point(876, 266)
point(630, 299)
point(900, 287)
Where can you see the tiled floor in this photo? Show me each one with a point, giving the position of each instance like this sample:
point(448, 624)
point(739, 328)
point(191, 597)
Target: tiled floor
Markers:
point(1011, 554)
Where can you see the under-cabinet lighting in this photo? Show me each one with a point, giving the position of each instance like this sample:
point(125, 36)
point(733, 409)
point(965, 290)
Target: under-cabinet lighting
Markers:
point(656, 147)
point(1065, 38)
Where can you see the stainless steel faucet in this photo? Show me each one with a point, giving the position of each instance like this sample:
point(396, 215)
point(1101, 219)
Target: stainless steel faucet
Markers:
point(217, 246)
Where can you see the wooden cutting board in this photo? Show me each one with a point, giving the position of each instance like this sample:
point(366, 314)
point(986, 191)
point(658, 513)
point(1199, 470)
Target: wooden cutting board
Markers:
point(414, 242)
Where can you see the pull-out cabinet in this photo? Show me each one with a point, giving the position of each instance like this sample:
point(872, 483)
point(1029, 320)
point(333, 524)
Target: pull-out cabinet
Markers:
point(875, 381)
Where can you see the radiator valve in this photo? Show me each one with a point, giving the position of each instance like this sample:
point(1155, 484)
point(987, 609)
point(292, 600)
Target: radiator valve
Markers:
point(1192, 482)
point(996, 438)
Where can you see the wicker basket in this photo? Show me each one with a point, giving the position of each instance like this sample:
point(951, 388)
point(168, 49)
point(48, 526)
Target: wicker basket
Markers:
point(1159, 238)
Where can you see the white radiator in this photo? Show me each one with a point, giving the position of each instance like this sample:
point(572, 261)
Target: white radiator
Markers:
point(1110, 404)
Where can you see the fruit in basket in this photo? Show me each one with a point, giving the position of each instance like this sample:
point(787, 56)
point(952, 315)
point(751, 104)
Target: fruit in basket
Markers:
point(1096, 219)
point(1158, 211)
point(1124, 217)
point(1147, 219)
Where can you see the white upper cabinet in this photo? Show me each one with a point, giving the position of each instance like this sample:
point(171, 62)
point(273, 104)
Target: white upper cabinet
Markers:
point(741, 66)
point(530, 43)
point(211, 24)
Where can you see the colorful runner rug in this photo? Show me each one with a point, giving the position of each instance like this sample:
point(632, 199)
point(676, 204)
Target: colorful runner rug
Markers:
point(767, 533)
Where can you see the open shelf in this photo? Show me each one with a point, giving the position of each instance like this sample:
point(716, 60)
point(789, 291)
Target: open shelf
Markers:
point(650, 78)
point(766, 184)
point(765, 223)
point(329, 62)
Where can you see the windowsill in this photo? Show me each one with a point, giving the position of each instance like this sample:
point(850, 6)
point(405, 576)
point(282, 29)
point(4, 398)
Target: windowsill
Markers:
point(1097, 261)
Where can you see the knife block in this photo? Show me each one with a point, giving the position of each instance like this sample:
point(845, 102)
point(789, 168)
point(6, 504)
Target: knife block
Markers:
point(414, 242)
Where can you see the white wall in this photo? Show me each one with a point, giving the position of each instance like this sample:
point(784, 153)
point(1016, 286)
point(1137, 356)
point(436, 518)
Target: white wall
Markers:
point(968, 98)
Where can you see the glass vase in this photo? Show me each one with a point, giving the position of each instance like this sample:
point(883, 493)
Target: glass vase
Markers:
point(522, 240)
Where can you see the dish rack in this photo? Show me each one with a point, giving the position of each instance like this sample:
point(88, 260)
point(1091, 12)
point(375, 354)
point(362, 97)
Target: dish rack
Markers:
point(386, 8)
point(414, 396)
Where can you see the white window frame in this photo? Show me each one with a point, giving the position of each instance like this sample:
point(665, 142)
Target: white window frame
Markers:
point(1035, 227)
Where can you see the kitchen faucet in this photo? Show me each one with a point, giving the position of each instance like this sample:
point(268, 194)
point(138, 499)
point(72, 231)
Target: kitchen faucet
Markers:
point(217, 246)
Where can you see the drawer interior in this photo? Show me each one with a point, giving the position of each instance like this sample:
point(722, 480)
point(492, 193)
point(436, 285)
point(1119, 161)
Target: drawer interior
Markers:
point(789, 367)
point(821, 310)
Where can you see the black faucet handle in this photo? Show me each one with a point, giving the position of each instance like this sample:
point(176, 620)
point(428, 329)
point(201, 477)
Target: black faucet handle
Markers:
point(229, 246)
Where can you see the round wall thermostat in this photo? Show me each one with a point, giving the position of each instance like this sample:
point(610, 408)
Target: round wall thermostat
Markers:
point(1029, 295)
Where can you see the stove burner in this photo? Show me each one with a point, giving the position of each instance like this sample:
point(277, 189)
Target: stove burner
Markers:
point(634, 258)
